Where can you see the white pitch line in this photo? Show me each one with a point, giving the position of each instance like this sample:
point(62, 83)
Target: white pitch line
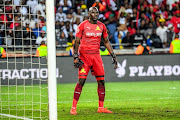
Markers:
point(97, 100)
point(13, 116)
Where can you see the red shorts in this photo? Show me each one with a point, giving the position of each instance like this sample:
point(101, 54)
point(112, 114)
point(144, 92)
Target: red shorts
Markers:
point(94, 63)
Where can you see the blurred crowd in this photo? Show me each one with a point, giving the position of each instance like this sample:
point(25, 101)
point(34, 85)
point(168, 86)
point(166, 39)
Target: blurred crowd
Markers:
point(129, 22)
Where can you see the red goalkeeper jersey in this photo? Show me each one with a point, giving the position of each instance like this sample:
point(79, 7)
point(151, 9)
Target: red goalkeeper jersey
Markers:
point(90, 35)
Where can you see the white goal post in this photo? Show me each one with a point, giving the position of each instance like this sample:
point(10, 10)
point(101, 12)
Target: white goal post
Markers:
point(52, 86)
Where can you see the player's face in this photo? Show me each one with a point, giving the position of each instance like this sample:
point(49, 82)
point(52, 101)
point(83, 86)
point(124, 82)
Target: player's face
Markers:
point(93, 14)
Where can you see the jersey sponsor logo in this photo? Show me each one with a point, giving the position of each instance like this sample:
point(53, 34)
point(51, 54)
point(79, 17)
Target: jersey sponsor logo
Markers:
point(93, 34)
point(88, 27)
point(82, 70)
point(97, 28)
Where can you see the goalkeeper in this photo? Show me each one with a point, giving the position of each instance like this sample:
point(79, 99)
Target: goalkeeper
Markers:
point(88, 35)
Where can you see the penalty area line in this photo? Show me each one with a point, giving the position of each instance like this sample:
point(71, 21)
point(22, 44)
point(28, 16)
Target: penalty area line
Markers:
point(13, 116)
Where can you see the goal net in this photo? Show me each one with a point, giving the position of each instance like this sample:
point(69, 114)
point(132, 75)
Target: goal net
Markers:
point(23, 76)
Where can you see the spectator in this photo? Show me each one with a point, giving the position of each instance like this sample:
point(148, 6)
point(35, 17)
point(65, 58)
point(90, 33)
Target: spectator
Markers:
point(3, 16)
point(118, 36)
point(170, 3)
point(40, 8)
point(111, 25)
point(23, 9)
point(71, 37)
point(128, 40)
point(175, 45)
point(113, 5)
point(26, 34)
point(66, 6)
point(147, 12)
point(149, 30)
point(156, 41)
point(32, 22)
point(18, 34)
point(41, 51)
point(16, 22)
point(8, 39)
point(129, 14)
point(2, 52)
point(69, 18)
point(2, 32)
point(8, 7)
point(65, 2)
point(175, 20)
point(100, 6)
point(67, 29)
point(161, 32)
point(156, 22)
point(120, 40)
point(73, 14)
point(153, 15)
point(170, 34)
point(70, 42)
point(103, 51)
point(154, 5)
point(62, 26)
point(42, 37)
point(163, 12)
point(36, 30)
point(62, 40)
point(174, 8)
point(138, 37)
point(79, 14)
point(28, 19)
point(129, 10)
point(143, 49)
point(134, 17)
point(142, 26)
point(122, 19)
point(42, 22)
point(60, 15)
point(44, 27)
point(32, 4)
point(84, 10)
point(57, 30)
point(25, 19)
point(101, 18)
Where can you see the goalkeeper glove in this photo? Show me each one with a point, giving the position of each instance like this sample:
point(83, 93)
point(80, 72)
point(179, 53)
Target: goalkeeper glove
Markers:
point(114, 60)
point(78, 63)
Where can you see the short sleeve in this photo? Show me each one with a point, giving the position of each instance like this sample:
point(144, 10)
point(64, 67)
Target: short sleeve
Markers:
point(105, 34)
point(79, 30)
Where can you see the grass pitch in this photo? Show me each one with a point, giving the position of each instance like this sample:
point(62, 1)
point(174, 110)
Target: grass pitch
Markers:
point(128, 100)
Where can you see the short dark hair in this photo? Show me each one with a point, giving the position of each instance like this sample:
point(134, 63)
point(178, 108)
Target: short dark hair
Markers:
point(43, 43)
point(176, 35)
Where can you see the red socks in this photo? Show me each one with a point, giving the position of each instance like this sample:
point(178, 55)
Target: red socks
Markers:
point(101, 94)
point(77, 93)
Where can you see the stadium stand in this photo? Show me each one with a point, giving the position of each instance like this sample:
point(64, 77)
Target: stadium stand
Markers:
point(23, 23)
